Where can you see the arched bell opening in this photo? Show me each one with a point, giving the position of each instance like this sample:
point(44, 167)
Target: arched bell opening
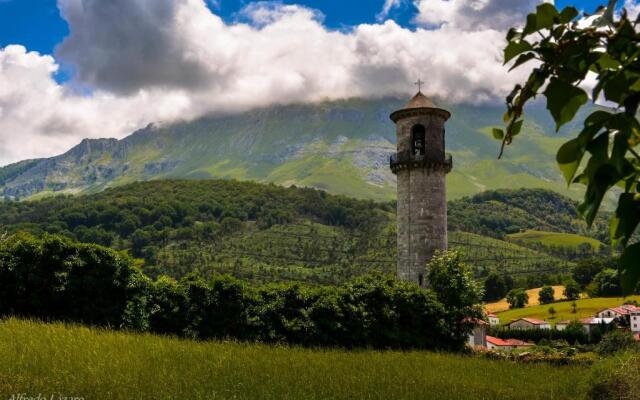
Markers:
point(418, 140)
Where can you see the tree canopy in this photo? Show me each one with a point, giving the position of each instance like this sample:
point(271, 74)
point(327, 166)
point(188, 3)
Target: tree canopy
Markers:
point(570, 49)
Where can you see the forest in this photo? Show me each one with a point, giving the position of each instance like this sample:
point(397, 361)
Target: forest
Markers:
point(267, 233)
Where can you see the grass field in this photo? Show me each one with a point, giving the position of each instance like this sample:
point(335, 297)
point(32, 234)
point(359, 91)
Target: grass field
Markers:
point(534, 294)
point(585, 308)
point(555, 239)
point(73, 361)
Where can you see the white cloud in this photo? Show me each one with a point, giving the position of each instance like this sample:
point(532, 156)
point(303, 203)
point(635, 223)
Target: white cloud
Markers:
point(474, 15)
point(160, 60)
point(386, 9)
point(633, 8)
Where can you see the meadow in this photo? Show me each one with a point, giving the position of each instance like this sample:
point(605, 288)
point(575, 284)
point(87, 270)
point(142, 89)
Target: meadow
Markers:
point(64, 360)
point(557, 239)
point(585, 308)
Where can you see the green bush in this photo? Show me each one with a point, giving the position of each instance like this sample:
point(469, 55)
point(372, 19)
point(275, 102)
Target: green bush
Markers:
point(55, 279)
point(616, 341)
point(616, 379)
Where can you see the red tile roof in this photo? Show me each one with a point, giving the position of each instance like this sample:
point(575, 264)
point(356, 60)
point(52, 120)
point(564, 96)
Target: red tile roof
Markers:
point(531, 321)
point(506, 342)
point(624, 309)
point(492, 315)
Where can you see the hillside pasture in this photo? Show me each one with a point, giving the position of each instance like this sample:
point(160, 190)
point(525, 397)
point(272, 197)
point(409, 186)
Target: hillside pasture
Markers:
point(534, 294)
point(585, 308)
point(555, 239)
point(96, 364)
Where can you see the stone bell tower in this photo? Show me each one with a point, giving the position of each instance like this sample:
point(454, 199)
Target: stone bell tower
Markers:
point(421, 166)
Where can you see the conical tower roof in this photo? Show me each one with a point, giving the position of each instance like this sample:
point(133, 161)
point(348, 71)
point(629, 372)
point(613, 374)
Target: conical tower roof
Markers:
point(419, 102)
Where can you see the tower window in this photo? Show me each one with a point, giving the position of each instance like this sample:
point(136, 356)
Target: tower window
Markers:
point(418, 134)
point(420, 280)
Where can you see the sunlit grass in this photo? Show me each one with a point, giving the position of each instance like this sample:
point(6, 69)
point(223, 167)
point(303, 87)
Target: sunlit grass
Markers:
point(95, 364)
point(584, 308)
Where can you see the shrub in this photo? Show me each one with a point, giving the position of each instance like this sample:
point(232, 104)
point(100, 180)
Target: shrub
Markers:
point(546, 295)
point(616, 379)
point(53, 278)
point(517, 298)
point(616, 341)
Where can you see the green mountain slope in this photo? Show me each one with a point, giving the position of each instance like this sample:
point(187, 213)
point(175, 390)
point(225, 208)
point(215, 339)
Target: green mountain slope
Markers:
point(270, 233)
point(339, 146)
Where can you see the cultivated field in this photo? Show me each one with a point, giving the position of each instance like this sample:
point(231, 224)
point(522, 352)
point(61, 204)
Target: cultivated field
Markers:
point(585, 308)
point(502, 305)
point(72, 361)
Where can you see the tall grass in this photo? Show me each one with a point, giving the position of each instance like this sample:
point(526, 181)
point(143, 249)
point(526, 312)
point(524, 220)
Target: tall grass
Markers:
point(54, 359)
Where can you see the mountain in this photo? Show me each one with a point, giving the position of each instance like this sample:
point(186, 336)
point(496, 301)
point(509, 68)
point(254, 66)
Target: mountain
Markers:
point(338, 146)
point(272, 233)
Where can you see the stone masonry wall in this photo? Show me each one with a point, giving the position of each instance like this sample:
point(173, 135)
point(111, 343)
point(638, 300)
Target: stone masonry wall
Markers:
point(422, 207)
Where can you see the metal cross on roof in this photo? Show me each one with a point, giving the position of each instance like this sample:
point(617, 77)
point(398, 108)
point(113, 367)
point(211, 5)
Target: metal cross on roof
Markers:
point(419, 83)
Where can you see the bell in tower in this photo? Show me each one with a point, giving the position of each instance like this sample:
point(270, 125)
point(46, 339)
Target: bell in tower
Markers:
point(421, 166)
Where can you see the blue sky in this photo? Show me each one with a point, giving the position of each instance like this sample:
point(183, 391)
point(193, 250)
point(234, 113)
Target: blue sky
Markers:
point(37, 24)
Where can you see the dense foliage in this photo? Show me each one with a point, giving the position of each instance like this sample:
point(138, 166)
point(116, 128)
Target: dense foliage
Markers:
point(543, 335)
point(546, 295)
point(266, 233)
point(566, 52)
point(517, 298)
point(501, 212)
point(55, 279)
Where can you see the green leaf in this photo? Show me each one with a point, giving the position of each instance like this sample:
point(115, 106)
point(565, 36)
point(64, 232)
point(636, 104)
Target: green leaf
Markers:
point(531, 26)
point(630, 269)
point(498, 133)
point(616, 88)
point(569, 157)
point(515, 48)
point(627, 218)
point(564, 100)
point(568, 14)
point(545, 14)
point(516, 128)
point(523, 58)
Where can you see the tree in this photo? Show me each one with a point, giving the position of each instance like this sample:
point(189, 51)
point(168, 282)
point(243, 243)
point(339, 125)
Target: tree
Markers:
point(517, 298)
point(494, 287)
point(546, 295)
point(607, 283)
point(452, 282)
point(587, 268)
point(574, 307)
point(565, 52)
point(552, 312)
point(572, 290)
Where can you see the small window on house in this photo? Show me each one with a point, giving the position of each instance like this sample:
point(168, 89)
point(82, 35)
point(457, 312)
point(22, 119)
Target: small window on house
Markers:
point(418, 138)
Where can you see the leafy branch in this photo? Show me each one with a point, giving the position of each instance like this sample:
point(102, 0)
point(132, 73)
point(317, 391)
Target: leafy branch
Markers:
point(568, 49)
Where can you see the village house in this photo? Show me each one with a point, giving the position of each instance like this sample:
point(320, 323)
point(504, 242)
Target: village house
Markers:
point(590, 324)
point(529, 323)
point(624, 311)
point(494, 343)
point(494, 320)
